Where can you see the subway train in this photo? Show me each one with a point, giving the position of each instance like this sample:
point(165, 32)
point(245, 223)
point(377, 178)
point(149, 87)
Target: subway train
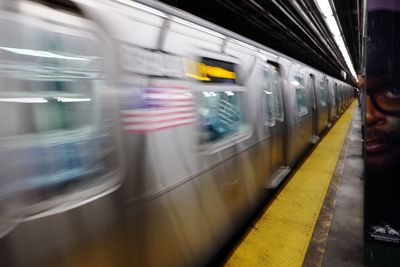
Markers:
point(135, 134)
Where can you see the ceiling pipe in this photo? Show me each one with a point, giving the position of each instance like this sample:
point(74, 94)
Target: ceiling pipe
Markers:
point(310, 24)
point(324, 33)
point(319, 37)
point(292, 18)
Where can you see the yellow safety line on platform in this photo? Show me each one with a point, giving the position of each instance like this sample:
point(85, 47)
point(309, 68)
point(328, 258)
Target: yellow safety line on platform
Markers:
point(282, 235)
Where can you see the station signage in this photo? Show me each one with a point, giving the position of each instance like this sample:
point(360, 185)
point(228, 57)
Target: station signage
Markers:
point(150, 62)
point(211, 70)
point(161, 64)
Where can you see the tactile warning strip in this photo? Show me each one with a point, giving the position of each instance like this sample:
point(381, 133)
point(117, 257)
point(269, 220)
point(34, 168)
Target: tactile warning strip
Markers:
point(282, 235)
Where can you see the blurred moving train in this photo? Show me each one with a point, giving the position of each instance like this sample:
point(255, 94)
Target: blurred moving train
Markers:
point(135, 134)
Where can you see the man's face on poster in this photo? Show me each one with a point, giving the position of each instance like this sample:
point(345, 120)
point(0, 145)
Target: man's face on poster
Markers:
point(382, 122)
point(382, 138)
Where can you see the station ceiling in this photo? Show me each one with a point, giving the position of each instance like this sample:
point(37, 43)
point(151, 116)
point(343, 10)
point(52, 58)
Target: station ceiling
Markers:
point(293, 27)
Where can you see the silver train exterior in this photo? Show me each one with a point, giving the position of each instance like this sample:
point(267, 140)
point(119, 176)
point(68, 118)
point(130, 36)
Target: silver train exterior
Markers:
point(135, 134)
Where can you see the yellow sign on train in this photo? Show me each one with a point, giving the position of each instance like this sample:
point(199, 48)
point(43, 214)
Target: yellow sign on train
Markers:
point(209, 72)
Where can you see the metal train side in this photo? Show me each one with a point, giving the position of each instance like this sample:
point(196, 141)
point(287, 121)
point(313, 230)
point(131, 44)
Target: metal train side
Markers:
point(184, 184)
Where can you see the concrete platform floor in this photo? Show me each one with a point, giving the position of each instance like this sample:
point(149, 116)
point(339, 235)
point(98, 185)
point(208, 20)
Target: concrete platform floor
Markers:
point(281, 235)
point(338, 236)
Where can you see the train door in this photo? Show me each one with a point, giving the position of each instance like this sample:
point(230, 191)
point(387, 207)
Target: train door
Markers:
point(314, 109)
point(300, 117)
point(342, 99)
point(322, 104)
point(275, 120)
point(336, 96)
point(339, 98)
point(332, 102)
point(329, 102)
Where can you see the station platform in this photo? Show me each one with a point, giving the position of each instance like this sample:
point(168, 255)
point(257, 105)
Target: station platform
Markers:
point(316, 217)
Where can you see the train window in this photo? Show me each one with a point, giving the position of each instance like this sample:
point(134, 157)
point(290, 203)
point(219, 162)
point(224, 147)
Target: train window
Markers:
point(269, 98)
point(334, 95)
point(277, 95)
point(273, 95)
point(322, 94)
point(58, 144)
point(330, 94)
point(220, 114)
point(301, 97)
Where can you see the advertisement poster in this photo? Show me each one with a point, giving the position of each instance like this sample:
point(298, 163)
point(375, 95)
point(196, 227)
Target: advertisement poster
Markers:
point(382, 134)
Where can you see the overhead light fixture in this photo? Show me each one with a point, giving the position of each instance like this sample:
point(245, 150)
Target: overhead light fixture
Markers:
point(339, 41)
point(331, 22)
point(325, 7)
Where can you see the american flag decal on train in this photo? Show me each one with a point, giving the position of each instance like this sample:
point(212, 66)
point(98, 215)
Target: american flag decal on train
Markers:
point(158, 107)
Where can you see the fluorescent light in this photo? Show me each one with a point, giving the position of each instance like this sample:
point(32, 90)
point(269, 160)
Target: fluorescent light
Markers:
point(229, 93)
point(343, 50)
point(339, 41)
point(209, 94)
point(333, 26)
point(72, 99)
point(295, 83)
point(330, 20)
point(347, 59)
point(325, 7)
point(206, 94)
point(268, 92)
point(24, 100)
point(40, 53)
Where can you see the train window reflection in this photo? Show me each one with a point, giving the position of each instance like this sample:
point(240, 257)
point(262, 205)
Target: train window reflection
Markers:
point(273, 95)
point(220, 115)
point(322, 94)
point(334, 95)
point(269, 98)
point(301, 97)
point(278, 95)
point(57, 143)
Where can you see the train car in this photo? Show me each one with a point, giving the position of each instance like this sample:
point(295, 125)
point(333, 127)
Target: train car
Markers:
point(135, 134)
